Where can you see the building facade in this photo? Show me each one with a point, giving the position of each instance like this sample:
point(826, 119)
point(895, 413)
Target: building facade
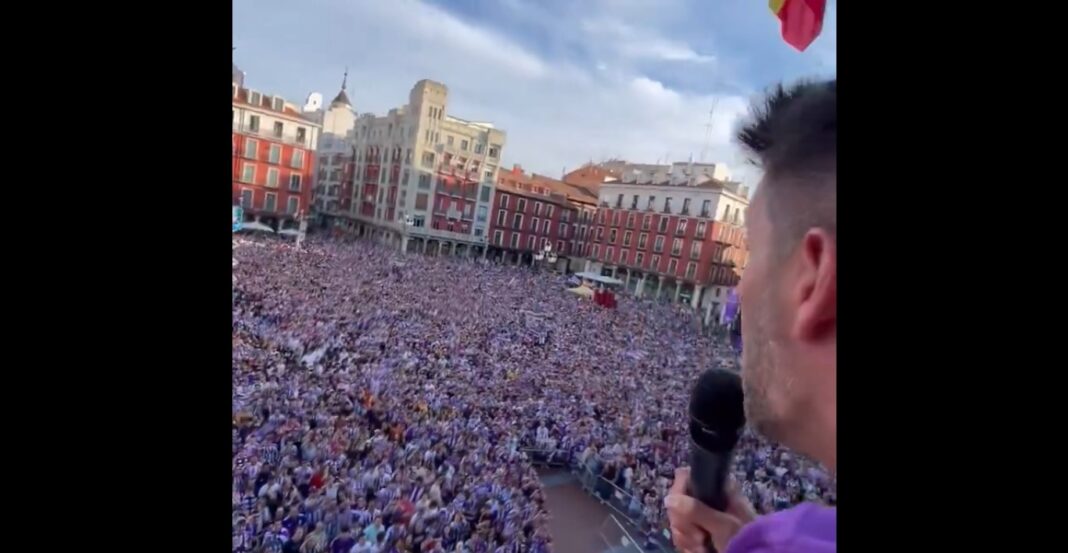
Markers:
point(334, 185)
point(273, 151)
point(533, 213)
point(672, 232)
point(422, 180)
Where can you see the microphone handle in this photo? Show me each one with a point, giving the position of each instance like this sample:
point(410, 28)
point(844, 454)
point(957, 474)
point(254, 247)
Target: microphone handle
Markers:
point(708, 476)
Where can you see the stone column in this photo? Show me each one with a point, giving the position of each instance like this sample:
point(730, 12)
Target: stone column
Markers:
point(640, 291)
point(659, 286)
point(695, 301)
point(425, 242)
point(404, 244)
point(678, 290)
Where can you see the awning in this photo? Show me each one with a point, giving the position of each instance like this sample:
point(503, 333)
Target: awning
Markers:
point(289, 232)
point(581, 291)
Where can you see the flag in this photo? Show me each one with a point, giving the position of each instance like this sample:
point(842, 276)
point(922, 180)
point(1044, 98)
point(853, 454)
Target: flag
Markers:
point(802, 20)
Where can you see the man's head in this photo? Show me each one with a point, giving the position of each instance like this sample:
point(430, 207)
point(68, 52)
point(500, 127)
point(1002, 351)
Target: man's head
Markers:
point(789, 288)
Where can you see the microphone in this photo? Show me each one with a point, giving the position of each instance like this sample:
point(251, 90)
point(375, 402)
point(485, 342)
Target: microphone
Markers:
point(716, 420)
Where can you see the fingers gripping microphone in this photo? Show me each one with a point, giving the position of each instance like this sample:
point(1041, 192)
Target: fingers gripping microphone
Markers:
point(716, 420)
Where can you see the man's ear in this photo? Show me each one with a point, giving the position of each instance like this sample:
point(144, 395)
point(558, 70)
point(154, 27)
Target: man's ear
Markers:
point(815, 288)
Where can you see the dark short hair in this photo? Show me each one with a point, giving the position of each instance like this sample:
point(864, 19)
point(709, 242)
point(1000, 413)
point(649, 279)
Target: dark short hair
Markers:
point(792, 135)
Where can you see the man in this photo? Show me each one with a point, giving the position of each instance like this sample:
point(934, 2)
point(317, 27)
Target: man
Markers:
point(789, 298)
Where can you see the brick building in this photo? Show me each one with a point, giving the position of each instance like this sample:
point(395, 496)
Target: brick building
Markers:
point(273, 151)
point(672, 232)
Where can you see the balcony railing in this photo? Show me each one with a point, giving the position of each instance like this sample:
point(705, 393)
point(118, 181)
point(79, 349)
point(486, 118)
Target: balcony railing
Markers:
point(705, 214)
point(667, 210)
point(684, 211)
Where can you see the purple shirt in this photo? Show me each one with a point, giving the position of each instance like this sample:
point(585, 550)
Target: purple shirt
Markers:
point(806, 528)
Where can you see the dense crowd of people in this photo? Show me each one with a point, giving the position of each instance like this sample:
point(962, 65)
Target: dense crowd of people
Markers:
point(388, 403)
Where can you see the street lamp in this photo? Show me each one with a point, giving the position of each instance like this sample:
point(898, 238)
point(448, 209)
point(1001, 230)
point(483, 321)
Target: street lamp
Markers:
point(546, 254)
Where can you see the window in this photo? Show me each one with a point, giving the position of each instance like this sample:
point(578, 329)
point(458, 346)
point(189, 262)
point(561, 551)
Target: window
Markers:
point(424, 181)
point(269, 202)
point(651, 204)
point(667, 205)
point(521, 205)
point(612, 236)
point(449, 140)
point(608, 252)
point(246, 198)
point(634, 202)
point(654, 263)
point(686, 206)
point(272, 177)
point(619, 201)
point(278, 104)
point(706, 208)
point(250, 148)
point(495, 151)
point(600, 233)
point(534, 224)
point(560, 246)
point(428, 160)
point(647, 221)
point(463, 145)
point(663, 226)
point(699, 232)
point(673, 266)
point(695, 250)
point(691, 270)
point(517, 221)
point(530, 242)
point(254, 123)
point(717, 291)
point(643, 240)
point(278, 127)
point(676, 246)
point(298, 159)
point(727, 213)
point(626, 238)
point(562, 232)
point(600, 217)
point(545, 226)
point(595, 252)
point(421, 201)
point(514, 242)
point(680, 229)
point(292, 205)
point(549, 211)
point(504, 201)
point(658, 246)
point(479, 147)
point(301, 135)
point(639, 258)
point(274, 155)
point(483, 213)
point(501, 215)
point(294, 183)
point(623, 257)
point(248, 173)
point(537, 209)
point(408, 156)
point(498, 235)
point(630, 220)
point(617, 218)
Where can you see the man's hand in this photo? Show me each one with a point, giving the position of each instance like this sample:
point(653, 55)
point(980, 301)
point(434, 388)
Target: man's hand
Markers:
point(692, 522)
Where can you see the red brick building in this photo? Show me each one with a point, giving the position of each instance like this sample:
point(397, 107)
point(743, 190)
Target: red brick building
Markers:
point(530, 212)
point(273, 150)
point(672, 232)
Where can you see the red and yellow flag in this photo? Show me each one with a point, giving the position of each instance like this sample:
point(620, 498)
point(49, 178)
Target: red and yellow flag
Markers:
point(802, 20)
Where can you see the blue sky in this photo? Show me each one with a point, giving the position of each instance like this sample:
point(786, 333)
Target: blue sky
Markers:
point(568, 80)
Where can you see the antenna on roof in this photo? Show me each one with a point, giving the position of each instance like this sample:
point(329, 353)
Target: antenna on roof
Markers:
point(708, 130)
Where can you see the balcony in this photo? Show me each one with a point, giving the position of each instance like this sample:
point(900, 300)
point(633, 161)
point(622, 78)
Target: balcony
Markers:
point(667, 210)
point(705, 214)
point(684, 211)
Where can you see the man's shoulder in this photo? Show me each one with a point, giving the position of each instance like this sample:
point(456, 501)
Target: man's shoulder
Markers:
point(806, 528)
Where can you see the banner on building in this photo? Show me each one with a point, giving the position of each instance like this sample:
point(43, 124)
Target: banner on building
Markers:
point(238, 214)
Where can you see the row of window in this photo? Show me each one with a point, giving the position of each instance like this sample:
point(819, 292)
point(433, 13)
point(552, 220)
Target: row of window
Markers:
point(535, 223)
point(662, 224)
point(736, 216)
point(521, 207)
point(533, 242)
point(248, 176)
point(643, 240)
point(274, 154)
point(270, 201)
point(277, 130)
point(639, 261)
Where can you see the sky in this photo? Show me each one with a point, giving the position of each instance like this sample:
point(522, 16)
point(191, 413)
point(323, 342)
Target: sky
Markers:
point(569, 81)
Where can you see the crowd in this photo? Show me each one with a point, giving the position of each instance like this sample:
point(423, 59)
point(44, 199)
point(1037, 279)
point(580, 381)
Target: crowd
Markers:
point(392, 403)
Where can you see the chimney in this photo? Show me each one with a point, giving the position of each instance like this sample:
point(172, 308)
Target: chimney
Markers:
point(517, 169)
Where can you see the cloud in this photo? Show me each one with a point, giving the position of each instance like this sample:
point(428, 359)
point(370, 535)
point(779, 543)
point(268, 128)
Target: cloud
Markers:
point(562, 91)
point(639, 44)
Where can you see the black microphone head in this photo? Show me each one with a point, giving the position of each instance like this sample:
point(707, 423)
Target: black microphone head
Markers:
point(717, 414)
